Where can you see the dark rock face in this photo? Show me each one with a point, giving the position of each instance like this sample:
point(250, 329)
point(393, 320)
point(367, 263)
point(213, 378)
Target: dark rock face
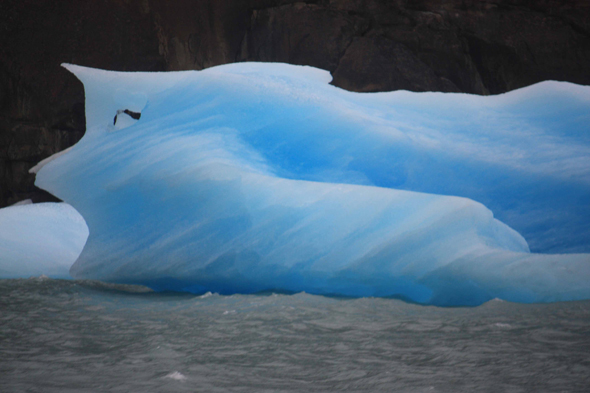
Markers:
point(368, 45)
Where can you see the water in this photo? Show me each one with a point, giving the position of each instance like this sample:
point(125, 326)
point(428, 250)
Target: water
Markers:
point(76, 336)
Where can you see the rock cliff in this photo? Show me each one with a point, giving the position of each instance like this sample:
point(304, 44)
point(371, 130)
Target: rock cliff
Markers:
point(481, 47)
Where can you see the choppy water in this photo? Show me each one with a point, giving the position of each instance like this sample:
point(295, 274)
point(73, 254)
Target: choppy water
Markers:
point(68, 336)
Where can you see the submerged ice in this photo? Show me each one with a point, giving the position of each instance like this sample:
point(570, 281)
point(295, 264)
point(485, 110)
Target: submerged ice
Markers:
point(252, 177)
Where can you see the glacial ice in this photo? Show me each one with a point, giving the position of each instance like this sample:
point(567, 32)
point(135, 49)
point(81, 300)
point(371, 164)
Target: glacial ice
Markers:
point(251, 177)
point(40, 239)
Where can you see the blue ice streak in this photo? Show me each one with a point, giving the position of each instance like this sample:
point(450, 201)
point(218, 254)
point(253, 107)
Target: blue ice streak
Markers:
point(250, 177)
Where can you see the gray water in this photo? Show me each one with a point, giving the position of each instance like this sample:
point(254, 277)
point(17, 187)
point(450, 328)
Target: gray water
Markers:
point(72, 336)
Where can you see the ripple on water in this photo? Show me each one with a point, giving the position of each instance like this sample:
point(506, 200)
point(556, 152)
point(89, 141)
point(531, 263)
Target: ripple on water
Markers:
point(88, 336)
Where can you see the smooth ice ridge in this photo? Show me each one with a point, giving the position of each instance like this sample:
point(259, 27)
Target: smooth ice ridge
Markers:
point(251, 177)
point(40, 239)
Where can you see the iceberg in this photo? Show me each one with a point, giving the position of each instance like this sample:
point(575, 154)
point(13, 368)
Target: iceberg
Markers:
point(252, 177)
point(41, 239)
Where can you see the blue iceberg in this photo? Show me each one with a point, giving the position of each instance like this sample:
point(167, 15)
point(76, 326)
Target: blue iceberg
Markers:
point(253, 177)
point(42, 239)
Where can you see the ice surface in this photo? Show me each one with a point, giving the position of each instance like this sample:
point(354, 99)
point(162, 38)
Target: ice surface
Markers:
point(40, 239)
point(249, 177)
